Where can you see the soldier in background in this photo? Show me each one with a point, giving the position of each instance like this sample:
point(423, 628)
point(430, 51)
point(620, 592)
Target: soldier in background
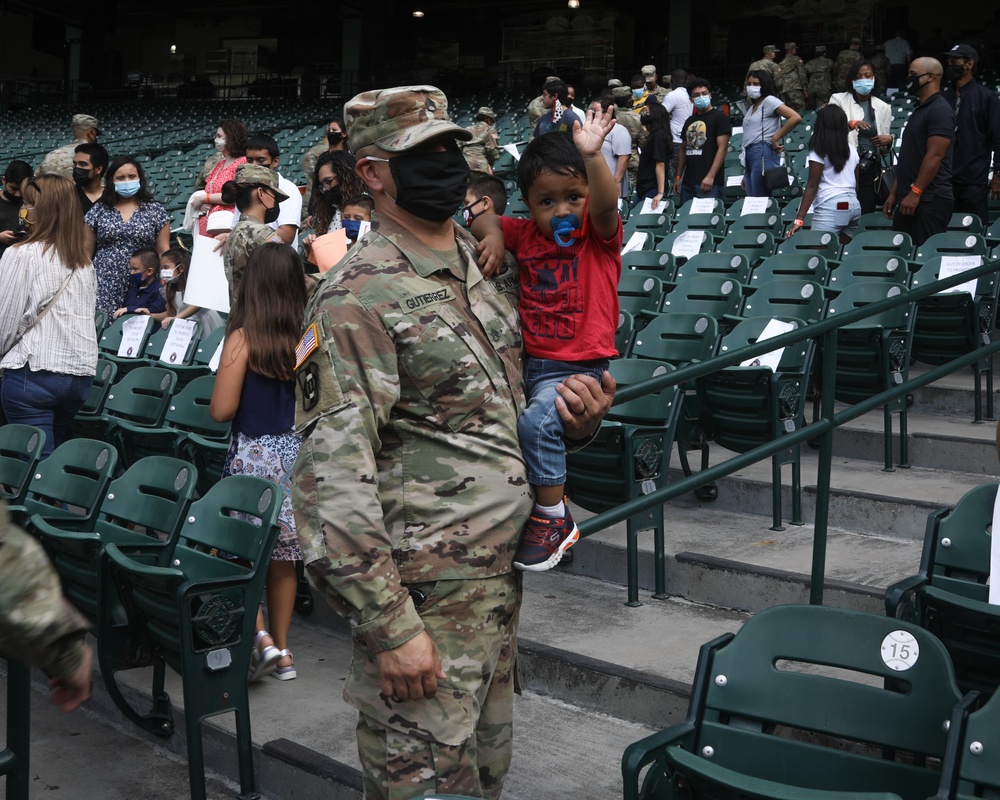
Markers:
point(481, 151)
point(881, 66)
point(60, 161)
point(37, 625)
point(845, 60)
point(628, 118)
point(649, 77)
point(794, 91)
point(819, 78)
point(767, 63)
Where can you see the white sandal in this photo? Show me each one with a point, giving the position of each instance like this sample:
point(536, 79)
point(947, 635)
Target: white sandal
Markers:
point(263, 662)
point(285, 673)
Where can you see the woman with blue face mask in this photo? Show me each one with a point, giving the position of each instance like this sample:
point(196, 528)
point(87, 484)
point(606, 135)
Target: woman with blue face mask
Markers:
point(125, 219)
point(868, 119)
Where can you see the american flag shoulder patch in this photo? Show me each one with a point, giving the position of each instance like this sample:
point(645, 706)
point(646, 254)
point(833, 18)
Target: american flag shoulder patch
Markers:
point(306, 345)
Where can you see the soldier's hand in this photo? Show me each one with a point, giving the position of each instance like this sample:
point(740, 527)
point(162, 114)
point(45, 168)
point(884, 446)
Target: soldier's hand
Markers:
point(583, 402)
point(410, 671)
point(73, 691)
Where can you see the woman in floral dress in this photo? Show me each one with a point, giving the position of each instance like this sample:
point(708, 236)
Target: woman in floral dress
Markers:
point(126, 218)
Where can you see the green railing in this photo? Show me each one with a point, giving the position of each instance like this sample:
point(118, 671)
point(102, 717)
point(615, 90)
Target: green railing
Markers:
point(14, 759)
point(822, 429)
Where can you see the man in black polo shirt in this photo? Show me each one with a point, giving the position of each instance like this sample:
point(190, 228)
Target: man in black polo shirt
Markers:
point(923, 172)
point(977, 134)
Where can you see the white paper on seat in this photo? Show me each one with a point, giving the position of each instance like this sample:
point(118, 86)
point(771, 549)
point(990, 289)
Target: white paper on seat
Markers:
point(955, 265)
point(770, 360)
point(754, 205)
point(179, 336)
point(688, 244)
point(636, 242)
point(133, 330)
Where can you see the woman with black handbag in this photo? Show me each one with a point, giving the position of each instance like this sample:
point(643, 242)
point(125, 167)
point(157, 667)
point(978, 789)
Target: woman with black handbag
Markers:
point(869, 119)
point(763, 131)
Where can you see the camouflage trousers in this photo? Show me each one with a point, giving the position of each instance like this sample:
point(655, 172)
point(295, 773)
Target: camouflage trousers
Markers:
point(794, 99)
point(459, 741)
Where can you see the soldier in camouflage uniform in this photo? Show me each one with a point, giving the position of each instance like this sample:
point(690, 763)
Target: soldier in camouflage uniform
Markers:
point(410, 490)
point(649, 77)
point(37, 625)
point(793, 78)
point(251, 232)
point(819, 77)
point(845, 60)
point(767, 63)
point(629, 119)
point(481, 151)
point(881, 66)
point(60, 160)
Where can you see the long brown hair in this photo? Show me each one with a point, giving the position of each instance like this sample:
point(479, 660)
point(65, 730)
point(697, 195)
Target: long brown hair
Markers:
point(342, 163)
point(58, 221)
point(269, 305)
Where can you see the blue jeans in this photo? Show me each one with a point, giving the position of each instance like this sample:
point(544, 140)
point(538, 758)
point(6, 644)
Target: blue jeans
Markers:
point(540, 428)
point(828, 217)
point(47, 400)
point(753, 177)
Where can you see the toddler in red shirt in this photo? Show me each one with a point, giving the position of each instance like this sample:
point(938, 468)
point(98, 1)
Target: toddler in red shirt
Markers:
point(569, 259)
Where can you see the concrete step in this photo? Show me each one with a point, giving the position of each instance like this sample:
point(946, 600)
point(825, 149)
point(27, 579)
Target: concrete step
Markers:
point(578, 643)
point(732, 560)
point(953, 443)
point(863, 497)
point(952, 395)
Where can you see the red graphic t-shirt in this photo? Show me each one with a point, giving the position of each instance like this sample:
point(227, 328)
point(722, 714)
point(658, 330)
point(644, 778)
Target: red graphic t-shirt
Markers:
point(569, 295)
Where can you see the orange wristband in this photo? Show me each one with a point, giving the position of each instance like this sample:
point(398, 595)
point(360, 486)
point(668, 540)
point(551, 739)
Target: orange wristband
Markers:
point(916, 191)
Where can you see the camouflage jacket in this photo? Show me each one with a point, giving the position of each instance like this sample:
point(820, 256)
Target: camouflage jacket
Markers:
point(482, 150)
point(629, 119)
point(37, 625)
point(659, 93)
point(246, 237)
point(767, 65)
point(845, 59)
point(60, 160)
point(206, 170)
point(793, 74)
point(819, 74)
point(535, 111)
point(881, 67)
point(410, 470)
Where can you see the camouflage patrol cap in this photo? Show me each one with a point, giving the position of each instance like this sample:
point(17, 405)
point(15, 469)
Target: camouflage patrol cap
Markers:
point(486, 111)
point(86, 121)
point(649, 71)
point(855, 40)
point(256, 175)
point(770, 48)
point(622, 93)
point(791, 46)
point(614, 83)
point(399, 118)
point(821, 48)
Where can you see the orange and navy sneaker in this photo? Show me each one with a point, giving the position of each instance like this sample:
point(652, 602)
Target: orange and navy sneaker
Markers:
point(544, 541)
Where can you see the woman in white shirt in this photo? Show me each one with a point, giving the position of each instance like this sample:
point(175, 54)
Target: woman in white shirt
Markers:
point(869, 120)
point(833, 178)
point(48, 288)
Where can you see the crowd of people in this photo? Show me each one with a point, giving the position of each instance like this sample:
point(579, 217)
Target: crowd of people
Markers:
point(416, 403)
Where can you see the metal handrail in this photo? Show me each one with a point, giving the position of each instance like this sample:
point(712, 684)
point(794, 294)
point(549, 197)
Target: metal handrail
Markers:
point(822, 428)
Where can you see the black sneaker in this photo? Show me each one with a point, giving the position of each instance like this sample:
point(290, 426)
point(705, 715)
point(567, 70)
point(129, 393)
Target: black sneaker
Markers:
point(544, 541)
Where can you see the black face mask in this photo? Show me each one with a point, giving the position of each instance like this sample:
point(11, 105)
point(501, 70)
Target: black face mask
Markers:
point(17, 201)
point(334, 195)
point(912, 85)
point(334, 137)
point(81, 176)
point(430, 185)
point(953, 72)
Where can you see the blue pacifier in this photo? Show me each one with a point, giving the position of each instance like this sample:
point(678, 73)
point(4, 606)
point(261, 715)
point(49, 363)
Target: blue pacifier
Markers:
point(565, 229)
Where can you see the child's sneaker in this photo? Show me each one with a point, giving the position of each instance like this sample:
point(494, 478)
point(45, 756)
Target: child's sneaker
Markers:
point(544, 541)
